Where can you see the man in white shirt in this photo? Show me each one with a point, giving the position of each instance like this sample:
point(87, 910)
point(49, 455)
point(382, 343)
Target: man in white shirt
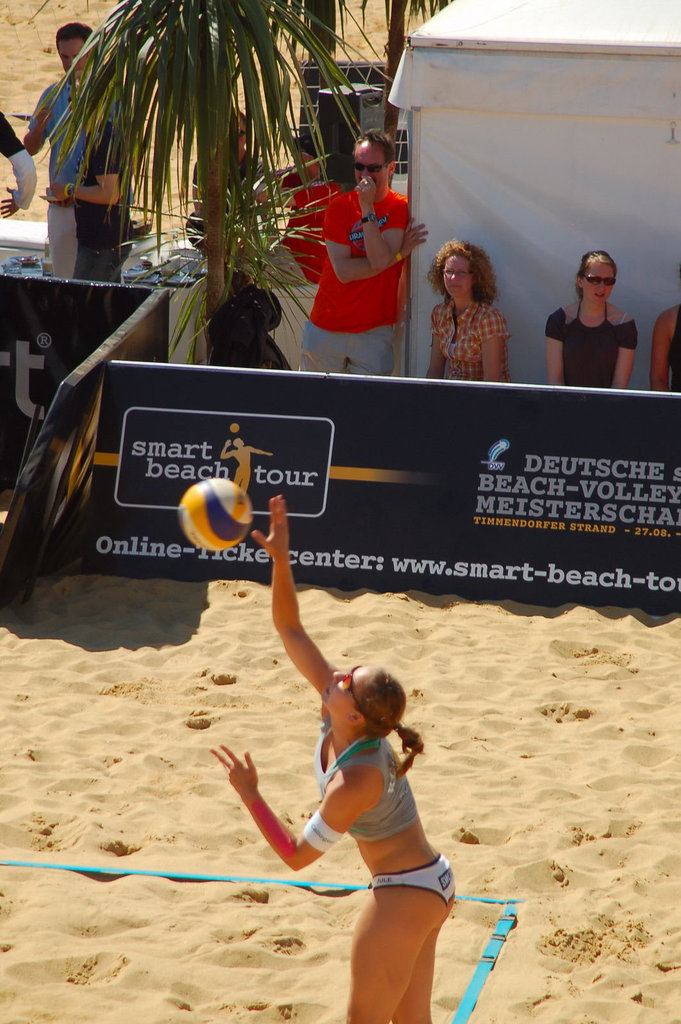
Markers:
point(48, 121)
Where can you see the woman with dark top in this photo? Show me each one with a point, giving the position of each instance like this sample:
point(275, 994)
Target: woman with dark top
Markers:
point(591, 343)
point(665, 356)
point(364, 792)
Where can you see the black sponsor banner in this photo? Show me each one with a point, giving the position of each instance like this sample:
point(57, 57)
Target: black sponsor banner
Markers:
point(43, 531)
point(47, 328)
point(489, 492)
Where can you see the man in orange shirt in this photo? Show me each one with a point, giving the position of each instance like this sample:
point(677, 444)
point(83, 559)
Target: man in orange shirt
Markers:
point(368, 235)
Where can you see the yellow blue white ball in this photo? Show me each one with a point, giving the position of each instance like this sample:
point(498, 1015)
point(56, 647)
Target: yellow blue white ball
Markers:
point(215, 514)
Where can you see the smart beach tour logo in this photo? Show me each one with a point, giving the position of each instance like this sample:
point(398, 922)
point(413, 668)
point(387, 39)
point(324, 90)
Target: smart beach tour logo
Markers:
point(494, 462)
point(164, 451)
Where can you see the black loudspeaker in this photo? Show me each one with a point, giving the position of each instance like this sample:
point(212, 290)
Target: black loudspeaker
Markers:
point(366, 103)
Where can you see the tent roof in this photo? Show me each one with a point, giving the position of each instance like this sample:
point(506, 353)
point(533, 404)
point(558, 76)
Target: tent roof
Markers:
point(612, 26)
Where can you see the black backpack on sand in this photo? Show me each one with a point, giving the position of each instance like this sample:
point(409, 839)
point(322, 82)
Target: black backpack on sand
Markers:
point(238, 331)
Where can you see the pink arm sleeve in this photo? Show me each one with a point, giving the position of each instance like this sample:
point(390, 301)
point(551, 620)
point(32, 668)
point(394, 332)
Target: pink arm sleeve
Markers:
point(272, 829)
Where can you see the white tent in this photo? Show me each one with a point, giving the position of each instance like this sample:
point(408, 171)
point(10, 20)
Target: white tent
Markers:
point(542, 129)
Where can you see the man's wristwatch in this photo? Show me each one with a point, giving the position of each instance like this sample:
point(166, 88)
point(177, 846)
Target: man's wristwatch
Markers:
point(369, 217)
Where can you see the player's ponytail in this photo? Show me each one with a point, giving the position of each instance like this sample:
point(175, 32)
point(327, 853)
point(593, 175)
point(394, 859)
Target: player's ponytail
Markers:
point(382, 702)
point(412, 744)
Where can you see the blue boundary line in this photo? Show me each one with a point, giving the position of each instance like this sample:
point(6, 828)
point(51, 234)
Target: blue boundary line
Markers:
point(111, 874)
point(507, 921)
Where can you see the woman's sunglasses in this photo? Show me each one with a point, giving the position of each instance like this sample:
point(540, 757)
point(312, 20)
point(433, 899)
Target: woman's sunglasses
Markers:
point(346, 683)
point(594, 279)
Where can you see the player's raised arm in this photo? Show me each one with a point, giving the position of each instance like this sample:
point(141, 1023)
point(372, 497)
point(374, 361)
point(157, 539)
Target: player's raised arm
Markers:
point(302, 651)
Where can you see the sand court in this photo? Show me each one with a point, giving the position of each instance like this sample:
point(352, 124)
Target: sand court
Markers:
point(551, 775)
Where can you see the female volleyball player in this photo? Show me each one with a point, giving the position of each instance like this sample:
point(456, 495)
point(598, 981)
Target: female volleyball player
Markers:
point(364, 792)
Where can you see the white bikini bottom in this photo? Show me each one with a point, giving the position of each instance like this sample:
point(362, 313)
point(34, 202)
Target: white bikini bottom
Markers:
point(437, 877)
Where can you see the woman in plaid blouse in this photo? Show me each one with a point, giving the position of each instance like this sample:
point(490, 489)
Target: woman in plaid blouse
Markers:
point(469, 333)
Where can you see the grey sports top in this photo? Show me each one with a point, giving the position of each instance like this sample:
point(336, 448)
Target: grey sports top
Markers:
point(396, 808)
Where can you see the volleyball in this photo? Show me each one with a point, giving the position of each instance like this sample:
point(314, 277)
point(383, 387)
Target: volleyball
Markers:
point(215, 514)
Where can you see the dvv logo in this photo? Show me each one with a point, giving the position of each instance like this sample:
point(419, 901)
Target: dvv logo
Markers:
point(494, 461)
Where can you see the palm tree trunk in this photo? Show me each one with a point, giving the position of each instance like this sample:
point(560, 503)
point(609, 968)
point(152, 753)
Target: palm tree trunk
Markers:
point(393, 52)
point(214, 228)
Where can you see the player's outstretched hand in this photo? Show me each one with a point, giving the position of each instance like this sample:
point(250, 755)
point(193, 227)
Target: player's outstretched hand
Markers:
point(242, 774)
point(277, 541)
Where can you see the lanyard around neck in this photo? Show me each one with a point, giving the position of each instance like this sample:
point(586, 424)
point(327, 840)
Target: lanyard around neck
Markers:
point(355, 748)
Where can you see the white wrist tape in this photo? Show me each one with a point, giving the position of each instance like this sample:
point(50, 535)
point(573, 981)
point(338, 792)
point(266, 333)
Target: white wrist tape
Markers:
point(318, 834)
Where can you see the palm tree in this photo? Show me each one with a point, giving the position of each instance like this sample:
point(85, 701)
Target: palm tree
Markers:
point(177, 74)
point(322, 14)
point(397, 12)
